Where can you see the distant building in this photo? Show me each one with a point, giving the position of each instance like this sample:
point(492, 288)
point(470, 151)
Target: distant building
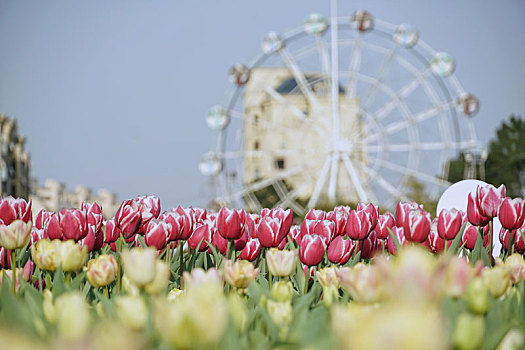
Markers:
point(14, 160)
point(54, 196)
point(283, 131)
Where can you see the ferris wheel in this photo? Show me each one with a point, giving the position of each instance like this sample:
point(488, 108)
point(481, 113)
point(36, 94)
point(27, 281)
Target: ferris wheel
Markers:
point(338, 110)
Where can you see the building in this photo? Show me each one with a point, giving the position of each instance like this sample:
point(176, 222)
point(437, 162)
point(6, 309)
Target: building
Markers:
point(54, 196)
point(14, 160)
point(289, 126)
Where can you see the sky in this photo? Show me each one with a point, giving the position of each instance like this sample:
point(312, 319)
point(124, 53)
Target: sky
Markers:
point(113, 94)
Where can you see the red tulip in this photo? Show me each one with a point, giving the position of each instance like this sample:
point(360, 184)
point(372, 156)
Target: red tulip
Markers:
point(112, 231)
point(295, 234)
point(188, 222)
point(177, 224)
point(326, 229)
point(358, 225)
point(36, 235)
point(128, 218)
point(157, 233)
point(384, 222)
point(400, 235)
point(42, 218)
point(199, 215)
point(307, 227)
point(339, 217)
point(93, 214)
point(15, 209)
point(506, 237)
point(511, 213)
point(251, 251)
point(402, 210)
point(474, 215)
point(93, 240)
point(417, 225)
point(449, 223)
point(372, 210)
point(312, 249)
point(315, 214)
point(229, 223)
point(340, 250)
point(149, 207)
point(470, 235)
point(73, 223)
point(489, 198)
point(284, 216)
point(367, 246)
point(203, 232)
point(269, 232)
point(5, 258)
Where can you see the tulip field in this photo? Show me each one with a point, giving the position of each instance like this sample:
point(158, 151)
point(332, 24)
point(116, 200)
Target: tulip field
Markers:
point(350, 278)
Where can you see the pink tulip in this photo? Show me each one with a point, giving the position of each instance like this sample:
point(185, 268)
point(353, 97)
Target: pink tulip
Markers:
point(42, 218)
point(373, 212)
point(402, 210)
point(36, 235)
point(93, 240)
point(93, 214)
point(312, 249)
point(176, 221)
point(417, 225)
point(112, 231)
point(367, 246)
point(358, 225)
point(269, 232)
point(229, 223)
point(5, 258)
point(400, 235)
point(284, 216)
point(295, 234)
point(474, 215)
point(340, 250)
point(506, 237)
point(73, 223)
point(326, 229)
point(203, 232)
point(315, 214)
point(489, 198)
point(199, 215)
point(384, 222)
point(128, 218)
point(15, 209)
point(251, 251)
point(470, 235)
point(157, 233)
point(449, 223)
point(149, 207)
point(188, 222)
point(339, 217)
point(511, 213)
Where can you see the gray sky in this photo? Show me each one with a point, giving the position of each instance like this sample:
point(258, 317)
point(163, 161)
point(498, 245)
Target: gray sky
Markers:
point(113, 94)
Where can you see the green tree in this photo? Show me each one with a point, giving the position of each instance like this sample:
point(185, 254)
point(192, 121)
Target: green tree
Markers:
point(506, 159)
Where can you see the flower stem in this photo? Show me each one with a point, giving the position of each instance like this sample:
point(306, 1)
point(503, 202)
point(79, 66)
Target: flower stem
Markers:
point(119, 250)
point(306, 280)
point(13, 266)
point(181, 266)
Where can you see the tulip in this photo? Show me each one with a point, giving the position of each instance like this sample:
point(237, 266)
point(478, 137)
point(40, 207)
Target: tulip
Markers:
point(384, 222)
point(506, 238)
point(52, 229)
point(70, 255)
point(281, 263)
point(497, 279)
point(239, 273)
point(367, 246)
point(102, 270)
point(132, 311)
point(149, 207)
point(473, 212)
point(511, 213)
point(44, 254)
point(177, 222)
point(42, 218)
point(488, 199)
point(434, 243)
point(339, 217)
point(156, 233)
point(402, 210)
point(312, 249)
point(204, 231)
point(282, 291)
point(315, 214)
point(139, 265)
point(326, 229)
point(72, 316)
point(93, 240)
point(358, 225)
point(174, 294)
point(5, 258)
point(128, 218)
point(400, 236)
point(73, 223)
point(307, 228)
point(93, 214)
point(295, 234)
point(449, 223)
point(417, 225)
point(457, 277)
point(24, 274)
point(340, 250)
point(160, 282)
point(285, 217)
point(327, 278)
point(199, 215)
point(269, 232)
point(516, 267)
point(15, 235)
point(112, 231)
point(362, 282)
point(199, 277)
point(470, 235)
point(187, 214)
point(373, 213)
point(251, 251)
point(12, 209)
point(281, 313)
point(36, 235)
point(229, 223)
point(469, 332)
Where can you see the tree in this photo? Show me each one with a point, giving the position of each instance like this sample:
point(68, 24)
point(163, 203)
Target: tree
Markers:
point(505, 163)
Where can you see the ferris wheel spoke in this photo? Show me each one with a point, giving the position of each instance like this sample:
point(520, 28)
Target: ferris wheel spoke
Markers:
point(412, 172)
point(355, 179)
point(253, 202)
point(268, 125)
point(287, 199)
point(264, 153)
point(332, 185)
point(306, 89)
point(323, 55)
point(319, 184)
point(355, 63)
point(372, 90)
point(381, 181)
point(279, 98)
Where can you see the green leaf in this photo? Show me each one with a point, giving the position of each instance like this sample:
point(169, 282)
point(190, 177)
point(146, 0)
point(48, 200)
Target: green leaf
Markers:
point(457, 240)
point(476, 252)
point(394, 238)
point(59, 285)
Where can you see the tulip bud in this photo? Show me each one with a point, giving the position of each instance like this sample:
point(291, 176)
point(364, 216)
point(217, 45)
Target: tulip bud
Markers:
point(70, 255)
point(340, 250)
point(489, 198)
point(238, 311)
point(112, 231)
point(511, 213)
point(516, 266)
point(417, 225)
point(269, 233)
point(339, 218)
point(73, 223)
point(312, 249)
point(229, 224)
point(149, 207)
point(132, 311)
point(281, 313)
point(373, 213)
point(469, 332)
point(402, 210)
point(327, 277)
point(400, 236)
point(282, 291)
point(156, 233)
point(449, 223)
point(12, 209)
point(362, 283)
point(203, 232)
point(139, 265)
point(72, 316)
point(15, 235)
point(160, 282)
point(43, 253)
point(384, 222)
point(239, 274)
point(358, 225)
point(128, 218)
point(281, 263)
point(497, 279)
point(93, 214)
point(251, 251)
point(476, 296)
point(102, 270)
